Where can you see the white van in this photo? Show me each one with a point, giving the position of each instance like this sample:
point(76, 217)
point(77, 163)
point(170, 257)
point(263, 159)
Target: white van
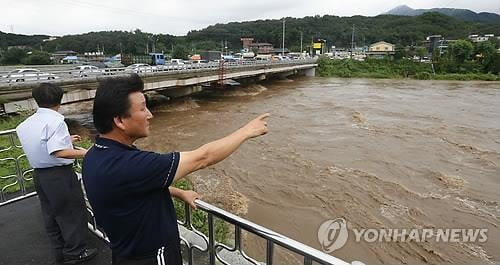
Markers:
point(177, 61)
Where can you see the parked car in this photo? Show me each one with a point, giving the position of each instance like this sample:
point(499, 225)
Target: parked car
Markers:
point(195, 64)
point(85, 71)
point(263, 57)
point(277, 58)
point(170, 66)
point(28, 74)
point(140, 68)
point(177, 61)
point(199, 62)
point(229, 59)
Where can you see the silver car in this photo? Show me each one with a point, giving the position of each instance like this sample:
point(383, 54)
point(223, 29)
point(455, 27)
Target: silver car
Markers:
point(28, 74)
point(140, 68)
point(85, 71)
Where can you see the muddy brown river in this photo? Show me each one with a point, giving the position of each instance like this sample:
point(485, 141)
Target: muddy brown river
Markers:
point(381, 154)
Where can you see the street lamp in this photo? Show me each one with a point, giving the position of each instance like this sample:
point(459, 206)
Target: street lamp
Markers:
point(301, 42)
point(283, 47)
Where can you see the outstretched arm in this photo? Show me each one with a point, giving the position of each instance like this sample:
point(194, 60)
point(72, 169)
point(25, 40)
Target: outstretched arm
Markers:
point(218, 150)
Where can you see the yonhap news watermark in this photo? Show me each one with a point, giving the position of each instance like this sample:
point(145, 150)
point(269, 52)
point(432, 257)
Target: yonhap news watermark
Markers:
point(334, 234)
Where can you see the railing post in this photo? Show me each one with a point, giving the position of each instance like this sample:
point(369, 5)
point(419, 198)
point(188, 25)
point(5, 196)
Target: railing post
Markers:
point(187, 215)
point(211, 239)
point(237, 238)
point(269, 252)
point(187, 224)
point(19, 172)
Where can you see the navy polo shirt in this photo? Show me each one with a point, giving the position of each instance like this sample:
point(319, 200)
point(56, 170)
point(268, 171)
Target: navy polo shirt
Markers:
point(128, 191)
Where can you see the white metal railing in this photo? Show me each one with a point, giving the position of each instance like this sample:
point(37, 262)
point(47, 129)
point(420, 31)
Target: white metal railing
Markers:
point(15, 180)
point(11, 79)
point(206, 243)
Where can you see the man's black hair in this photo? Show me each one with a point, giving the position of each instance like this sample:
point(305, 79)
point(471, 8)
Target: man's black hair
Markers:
point(47, 95)
point(111, 100)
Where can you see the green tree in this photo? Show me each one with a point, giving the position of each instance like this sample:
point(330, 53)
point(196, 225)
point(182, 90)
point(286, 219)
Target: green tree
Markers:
point(460, 51)
point(401, 52)
point(38, 57)
point(495, 65)
point(13, 56)
point(485, 54)
point(205, 45)
point(180, 52)
point(421, 52)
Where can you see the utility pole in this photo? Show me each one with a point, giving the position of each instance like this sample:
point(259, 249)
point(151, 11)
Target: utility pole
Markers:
point(311, 47)
point(352, 40)
point(301, 42)
point(283, 47)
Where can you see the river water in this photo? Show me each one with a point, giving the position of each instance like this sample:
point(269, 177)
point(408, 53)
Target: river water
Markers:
point(378, 153)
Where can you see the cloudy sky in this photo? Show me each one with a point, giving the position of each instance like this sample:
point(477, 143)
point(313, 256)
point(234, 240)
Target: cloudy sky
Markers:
point(177, 17)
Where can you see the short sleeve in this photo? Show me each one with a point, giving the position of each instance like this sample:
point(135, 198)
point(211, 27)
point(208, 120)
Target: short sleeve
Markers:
point(150, 171)
point(60, 139)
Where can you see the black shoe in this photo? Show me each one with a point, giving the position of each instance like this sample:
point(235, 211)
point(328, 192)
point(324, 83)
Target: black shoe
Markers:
point(85, 255)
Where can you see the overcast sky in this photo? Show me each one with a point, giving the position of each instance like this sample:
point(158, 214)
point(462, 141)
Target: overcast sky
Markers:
point(177, 17)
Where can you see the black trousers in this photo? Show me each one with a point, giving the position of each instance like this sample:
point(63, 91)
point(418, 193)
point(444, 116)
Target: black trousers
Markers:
point(63, 208)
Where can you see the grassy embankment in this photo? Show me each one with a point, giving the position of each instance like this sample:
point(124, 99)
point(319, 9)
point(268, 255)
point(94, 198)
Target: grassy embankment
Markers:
point(381, 68)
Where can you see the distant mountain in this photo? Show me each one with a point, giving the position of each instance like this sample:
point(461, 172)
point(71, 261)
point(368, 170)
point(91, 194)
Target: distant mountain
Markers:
point(10, 39)
point(462, 14)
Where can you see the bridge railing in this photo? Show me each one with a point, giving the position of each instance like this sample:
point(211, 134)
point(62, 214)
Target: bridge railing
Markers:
point(15, 186)
point(10, 79)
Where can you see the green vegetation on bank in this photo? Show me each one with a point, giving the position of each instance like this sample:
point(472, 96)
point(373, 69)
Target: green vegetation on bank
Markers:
point(373, 68)
point(463, 60)
point(15, 56)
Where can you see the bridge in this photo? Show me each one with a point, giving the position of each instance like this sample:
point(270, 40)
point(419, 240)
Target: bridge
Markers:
point(170, 81)
point(25, 241)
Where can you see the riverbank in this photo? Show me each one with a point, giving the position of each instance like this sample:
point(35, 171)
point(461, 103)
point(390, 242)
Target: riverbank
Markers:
point(392, 70)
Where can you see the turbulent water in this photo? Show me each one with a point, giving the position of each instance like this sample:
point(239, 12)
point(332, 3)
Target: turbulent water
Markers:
point(378, 153)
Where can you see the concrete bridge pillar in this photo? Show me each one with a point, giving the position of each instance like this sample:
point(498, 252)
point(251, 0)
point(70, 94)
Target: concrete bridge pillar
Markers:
point(311, 72)
point(177, 92)
point(284, 75)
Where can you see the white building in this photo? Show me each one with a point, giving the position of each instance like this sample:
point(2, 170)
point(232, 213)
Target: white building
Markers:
point(479, 38)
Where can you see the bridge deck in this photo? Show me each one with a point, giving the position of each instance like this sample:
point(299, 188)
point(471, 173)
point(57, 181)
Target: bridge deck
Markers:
point(23, 239)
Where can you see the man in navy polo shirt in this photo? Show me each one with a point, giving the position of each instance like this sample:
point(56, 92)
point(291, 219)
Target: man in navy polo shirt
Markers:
point(129, 189)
